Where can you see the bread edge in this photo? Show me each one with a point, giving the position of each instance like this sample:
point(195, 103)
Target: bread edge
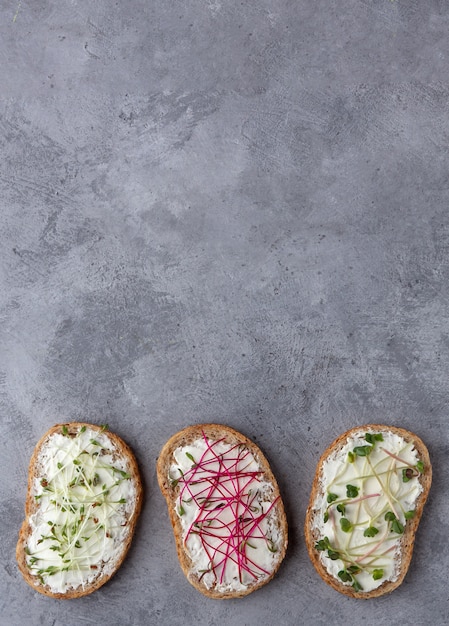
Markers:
point(407, 539)
point(30, 507)
point(215, 432)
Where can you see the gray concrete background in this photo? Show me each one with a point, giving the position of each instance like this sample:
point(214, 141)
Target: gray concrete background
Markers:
point(225, 211)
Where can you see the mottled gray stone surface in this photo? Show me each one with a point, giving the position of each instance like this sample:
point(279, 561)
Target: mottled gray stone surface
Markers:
point(224, 211)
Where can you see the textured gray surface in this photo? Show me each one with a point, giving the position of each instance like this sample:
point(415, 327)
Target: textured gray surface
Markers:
point(224, 211)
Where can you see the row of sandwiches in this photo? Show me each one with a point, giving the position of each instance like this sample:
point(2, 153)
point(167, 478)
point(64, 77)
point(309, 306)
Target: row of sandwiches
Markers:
point(230, 528)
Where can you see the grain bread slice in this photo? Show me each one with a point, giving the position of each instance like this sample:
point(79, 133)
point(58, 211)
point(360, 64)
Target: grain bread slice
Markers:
point(225, 507)
point(83, 500)
point(366, 502)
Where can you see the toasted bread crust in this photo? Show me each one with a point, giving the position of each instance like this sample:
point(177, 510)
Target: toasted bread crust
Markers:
point(31, 506)
point(407, 539)
point(231, 436)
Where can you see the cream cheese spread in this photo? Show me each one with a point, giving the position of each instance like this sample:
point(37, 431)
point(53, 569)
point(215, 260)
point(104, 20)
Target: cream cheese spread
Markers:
point(85, 497)
point(227, 513)
point(371, 486)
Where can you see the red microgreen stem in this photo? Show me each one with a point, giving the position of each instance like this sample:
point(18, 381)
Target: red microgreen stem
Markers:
point(229, 515)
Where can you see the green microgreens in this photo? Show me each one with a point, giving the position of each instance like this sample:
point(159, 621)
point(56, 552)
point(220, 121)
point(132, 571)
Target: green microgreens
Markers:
point(371, 531)
point(408, 473)
point(333, 554)
point(377, 574)
point(122, 473)
point(181, 510)
point(271, 546)
point(363, 450)
point(104, 427)
point(352, 491)
point(322, 544)
point(396, 525)
point(352, 560)
point(372, 438)
point(78, 524)
point(82, 429)
point(191, 457)
point(345, 576)
point(65, 430)
point(94, 442)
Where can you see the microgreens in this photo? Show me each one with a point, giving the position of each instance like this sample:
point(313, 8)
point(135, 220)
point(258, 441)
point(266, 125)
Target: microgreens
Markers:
point(356, 512)
point(333, 554)
point(227, 510)
point(345, 576)
point(377, 574)
point(352, 491)
point(397, 527)
point(372, 438)
point(74, 487)
point(363, 450)
point(322, 544)
point(271, 546)
point(407, 474)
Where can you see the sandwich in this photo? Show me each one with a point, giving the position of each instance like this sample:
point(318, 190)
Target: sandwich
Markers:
point(226, 511)
point(83, 500)
point(366, 502)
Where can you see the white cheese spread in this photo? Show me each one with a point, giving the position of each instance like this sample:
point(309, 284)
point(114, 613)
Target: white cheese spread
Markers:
point(227, 513)
point(371, 487)
point(84, 498)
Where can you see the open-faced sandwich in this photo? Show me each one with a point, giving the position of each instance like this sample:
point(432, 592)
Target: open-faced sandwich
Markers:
point(226, 510)
point(366, 502)
point(84, 497)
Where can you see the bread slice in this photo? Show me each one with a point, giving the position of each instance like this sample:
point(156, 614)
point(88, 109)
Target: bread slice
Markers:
point(367, 499)
point(83, 500)
point(225, 507)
